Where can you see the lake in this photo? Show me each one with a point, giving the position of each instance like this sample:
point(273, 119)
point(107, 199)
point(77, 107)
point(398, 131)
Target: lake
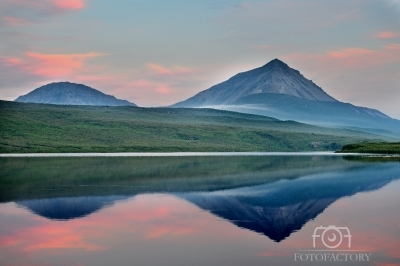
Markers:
point(273, 209)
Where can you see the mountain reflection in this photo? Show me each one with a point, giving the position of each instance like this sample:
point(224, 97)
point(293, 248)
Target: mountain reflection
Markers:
point(69, 208)
point(275, 207)
point(280, 208)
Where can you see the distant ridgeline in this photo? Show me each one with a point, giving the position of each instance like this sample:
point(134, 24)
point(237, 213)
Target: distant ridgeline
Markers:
point(66, 93)
point(278, 91)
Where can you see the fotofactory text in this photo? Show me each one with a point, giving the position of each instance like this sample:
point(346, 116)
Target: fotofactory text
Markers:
point(331, 244)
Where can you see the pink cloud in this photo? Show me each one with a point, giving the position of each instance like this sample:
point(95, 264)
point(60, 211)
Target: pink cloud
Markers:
point(55, 65)
point(10, 61)
point(161, 70)
point(386, 35)
point(349, 52)
point(48, 4)
point(21, 12)
point(11, 21)
point(70, 4)
point(49, 65)
point(163, 89)
point(8, 241)
point(356, 57)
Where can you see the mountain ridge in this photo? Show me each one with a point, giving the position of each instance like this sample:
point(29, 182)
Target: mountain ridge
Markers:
point(68, 93)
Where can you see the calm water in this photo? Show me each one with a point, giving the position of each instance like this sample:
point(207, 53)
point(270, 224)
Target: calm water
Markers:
point(240, 210)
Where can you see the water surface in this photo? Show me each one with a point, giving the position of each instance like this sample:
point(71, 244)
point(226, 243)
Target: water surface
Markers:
point(225, 210)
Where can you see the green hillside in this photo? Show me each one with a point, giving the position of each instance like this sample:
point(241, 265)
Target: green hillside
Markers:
point(26, 127)
point(379, 147)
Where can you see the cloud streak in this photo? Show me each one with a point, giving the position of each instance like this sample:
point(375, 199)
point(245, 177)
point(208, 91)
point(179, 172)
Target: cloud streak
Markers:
point(387, 35)
point(354, 57)
point(22, 12)
point(69, 4)
point(48, 65)
point(174, 71)
point(57, 65)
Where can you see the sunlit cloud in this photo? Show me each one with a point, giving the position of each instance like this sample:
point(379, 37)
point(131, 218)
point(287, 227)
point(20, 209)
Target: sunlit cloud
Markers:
point(48, 65)
point(57, 65)
point(161, 70)
point(9, 241)
point(355, 57)
point(46, 4)
point(163, 89)
point(70, 4)
point(10, 61)
point(21, 12)
point(11, 21)
point(386, 35)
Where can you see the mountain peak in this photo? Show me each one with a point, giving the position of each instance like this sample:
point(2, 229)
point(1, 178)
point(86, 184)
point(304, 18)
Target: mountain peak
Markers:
point(274, 77)
point(276, 63)
point(68, 93)
point(276, 66)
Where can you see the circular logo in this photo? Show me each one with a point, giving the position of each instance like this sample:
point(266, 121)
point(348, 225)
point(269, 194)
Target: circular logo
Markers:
point(332, 237)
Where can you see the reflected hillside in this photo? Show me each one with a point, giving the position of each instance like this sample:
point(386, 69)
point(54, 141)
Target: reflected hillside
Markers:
point(277, 209)
point(69, 208)
point(36, 178)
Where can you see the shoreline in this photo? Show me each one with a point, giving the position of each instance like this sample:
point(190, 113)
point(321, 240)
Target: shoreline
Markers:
point(188, 154)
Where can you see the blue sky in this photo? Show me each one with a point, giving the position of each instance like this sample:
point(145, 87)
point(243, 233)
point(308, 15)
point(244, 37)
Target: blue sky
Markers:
point(156, 53)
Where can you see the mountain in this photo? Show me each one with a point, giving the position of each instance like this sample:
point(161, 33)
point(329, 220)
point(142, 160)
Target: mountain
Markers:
point(67, 93)
point(278, 91)
point(274, 77)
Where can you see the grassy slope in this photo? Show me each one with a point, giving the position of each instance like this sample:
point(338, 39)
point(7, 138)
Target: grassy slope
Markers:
point(374, 147)
point(51, 128)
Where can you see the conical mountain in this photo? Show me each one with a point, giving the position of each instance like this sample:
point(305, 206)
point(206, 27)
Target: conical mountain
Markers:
point(274, 77)
point(276, 90)
point(67, 93)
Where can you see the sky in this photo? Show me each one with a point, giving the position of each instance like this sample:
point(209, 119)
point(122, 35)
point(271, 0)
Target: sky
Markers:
point(157, 52)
